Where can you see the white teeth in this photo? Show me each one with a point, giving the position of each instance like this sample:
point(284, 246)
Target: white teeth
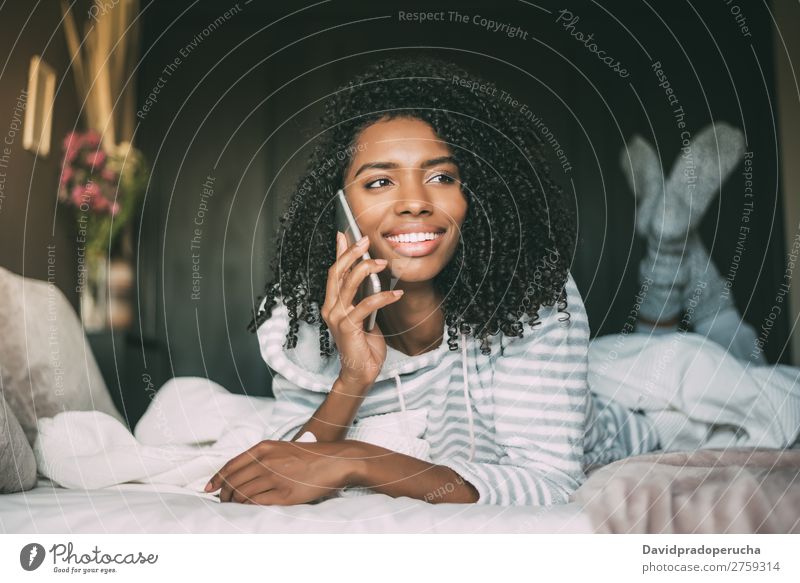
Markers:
point(413, 237)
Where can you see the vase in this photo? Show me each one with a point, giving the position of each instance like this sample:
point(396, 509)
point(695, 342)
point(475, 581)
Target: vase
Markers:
point(94, 293)
point(105, 298)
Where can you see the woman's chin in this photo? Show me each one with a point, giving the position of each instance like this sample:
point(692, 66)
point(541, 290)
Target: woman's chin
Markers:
point(409, 275)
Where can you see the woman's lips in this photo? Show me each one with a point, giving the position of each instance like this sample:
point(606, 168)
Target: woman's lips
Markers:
point(417, 248)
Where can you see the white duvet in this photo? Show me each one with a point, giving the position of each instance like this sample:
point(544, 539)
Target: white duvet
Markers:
point(145, 508)
point(190, 430)
point(98, 477)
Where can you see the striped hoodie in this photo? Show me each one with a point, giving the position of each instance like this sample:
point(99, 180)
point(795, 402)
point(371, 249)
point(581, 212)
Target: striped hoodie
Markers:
point(519, 424)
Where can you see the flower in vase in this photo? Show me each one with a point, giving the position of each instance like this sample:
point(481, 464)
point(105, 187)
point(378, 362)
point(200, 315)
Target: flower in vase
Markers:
point(91, 139)
point(109, 175)
point(92, 190)
point(66, 175)
point(96, 159)
point(72, 145)
point(103, 183)
point(77, 195)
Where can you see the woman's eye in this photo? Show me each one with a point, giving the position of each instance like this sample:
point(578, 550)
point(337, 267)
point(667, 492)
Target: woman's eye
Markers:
point(443, 179)
point(378, 183)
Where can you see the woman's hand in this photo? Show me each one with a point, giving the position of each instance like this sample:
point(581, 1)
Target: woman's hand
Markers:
point(362, 353)
point(284, 473)
point(291, 472)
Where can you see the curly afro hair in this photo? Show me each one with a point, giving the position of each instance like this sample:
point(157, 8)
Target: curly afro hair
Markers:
point(518, 235)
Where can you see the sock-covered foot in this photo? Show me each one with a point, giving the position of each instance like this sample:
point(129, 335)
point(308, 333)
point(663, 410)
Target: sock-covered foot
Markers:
point(642, 168)
point(668, 212)
point(696, 177)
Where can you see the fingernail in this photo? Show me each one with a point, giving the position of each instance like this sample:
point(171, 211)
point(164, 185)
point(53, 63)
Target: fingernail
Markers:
point(397, 292)
point(363, 240)
point(381, 261)
point(208, 487)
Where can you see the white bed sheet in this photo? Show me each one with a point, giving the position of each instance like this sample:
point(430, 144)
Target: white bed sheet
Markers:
point(139, 508)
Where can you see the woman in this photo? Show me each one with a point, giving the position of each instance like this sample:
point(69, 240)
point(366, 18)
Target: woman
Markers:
point(472, 386)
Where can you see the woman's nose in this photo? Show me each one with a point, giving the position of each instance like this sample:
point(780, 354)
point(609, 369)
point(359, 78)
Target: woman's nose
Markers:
point(414, 198)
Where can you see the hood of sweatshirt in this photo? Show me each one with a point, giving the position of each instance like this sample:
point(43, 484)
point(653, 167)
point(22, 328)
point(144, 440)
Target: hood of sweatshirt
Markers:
point(307, 368)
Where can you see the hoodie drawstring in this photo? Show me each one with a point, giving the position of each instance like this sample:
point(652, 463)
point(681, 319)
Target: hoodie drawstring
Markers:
point(466, 396)
point(468, 403)
point(403, 416)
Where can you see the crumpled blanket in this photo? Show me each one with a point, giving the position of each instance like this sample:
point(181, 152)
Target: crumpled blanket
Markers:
point(696, 394)
point(723, 491)
point(190, 430)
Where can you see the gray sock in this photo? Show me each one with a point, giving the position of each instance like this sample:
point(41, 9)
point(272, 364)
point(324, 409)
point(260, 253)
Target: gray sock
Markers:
point(642, 168)
point(696, 178)
point(668, 213)
point(706, 293)
point(662, 279)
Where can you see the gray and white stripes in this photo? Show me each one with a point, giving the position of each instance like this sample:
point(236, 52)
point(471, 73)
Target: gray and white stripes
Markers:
point(536, 424)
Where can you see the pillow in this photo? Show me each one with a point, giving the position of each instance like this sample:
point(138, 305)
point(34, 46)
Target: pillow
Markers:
point(17, 464)
point(46, 365)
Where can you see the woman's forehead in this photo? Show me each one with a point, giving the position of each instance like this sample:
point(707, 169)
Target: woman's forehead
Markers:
point(408, 140)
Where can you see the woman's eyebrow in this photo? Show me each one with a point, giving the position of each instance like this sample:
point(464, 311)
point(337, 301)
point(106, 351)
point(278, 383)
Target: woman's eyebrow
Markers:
point(393, 165)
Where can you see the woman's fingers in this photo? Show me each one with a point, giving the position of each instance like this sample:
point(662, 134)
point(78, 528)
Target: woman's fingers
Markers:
point(219, 479)
point(246, 492)
point(346, 259)
point(235, 464)
point(337, 270)
point(274, 496)
point(356, 277)
point(257, 469)
point(341, 244)
point(354, 318)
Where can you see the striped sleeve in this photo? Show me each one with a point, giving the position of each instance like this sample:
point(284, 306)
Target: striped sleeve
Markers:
point(540, 394)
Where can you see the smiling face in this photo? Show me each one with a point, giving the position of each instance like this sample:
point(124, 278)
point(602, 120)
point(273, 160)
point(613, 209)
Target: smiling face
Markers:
point(405, 192)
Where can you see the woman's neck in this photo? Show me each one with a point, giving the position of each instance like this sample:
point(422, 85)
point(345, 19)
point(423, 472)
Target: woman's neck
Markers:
point(414, 324)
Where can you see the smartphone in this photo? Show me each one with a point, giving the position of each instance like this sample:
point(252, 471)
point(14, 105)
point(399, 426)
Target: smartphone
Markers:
point(346, 223)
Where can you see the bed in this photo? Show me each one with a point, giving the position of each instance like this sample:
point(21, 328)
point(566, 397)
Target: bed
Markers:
point(704, 491)
point(137, 508)
point(700, 490)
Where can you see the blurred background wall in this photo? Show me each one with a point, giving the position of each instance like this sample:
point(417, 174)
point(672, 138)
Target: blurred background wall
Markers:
point(228, 101)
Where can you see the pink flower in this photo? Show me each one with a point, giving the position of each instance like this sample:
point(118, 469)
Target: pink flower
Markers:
point(77, 196)
point(66, 174)
point(114, 209)
point(71, 153)
point(72, 145)
point(93, 190)
point(109, 175)
point(71, 140)
point(91, 139)
point(100, 204)
point(96, 159)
